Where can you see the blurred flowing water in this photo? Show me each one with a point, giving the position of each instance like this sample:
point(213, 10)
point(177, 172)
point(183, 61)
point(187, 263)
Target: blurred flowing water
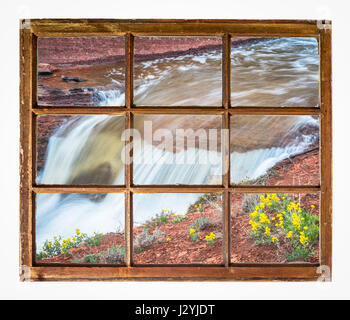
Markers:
point(87, 149)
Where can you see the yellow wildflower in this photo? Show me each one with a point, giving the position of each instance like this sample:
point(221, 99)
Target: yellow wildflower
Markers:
point(254, 214)
point(303, 239)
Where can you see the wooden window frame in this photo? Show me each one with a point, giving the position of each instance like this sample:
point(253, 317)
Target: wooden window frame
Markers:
point(29, 110)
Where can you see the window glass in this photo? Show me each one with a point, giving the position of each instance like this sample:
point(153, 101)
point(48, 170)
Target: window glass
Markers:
point(178, 228)
point(81, 71)
point(80, 228)
point(274, 72)
point(178, 71)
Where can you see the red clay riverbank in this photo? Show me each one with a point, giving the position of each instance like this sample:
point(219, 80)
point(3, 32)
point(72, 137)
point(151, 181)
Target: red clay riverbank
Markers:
point(85, 56)
point(181, 249)
point(68, 52)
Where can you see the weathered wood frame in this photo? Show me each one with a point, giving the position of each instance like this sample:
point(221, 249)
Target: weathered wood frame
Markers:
point(29, 109)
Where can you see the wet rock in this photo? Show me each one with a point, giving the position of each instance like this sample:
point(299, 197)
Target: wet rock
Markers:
point(76, 90)
point(72, 79)
point(46, 69)
point(73, 97)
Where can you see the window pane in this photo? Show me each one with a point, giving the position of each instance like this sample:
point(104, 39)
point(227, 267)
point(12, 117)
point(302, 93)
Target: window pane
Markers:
point(81, 71)
point(178, 228)
point(275, 150)
point(80, 150)
point(274, 72)
point(177, 149)
point(178, 71)
point(275, 228)
point(80, 228)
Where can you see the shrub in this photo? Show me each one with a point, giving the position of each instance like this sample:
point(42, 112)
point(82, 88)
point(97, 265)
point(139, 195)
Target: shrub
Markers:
point(93, 258)
point(201, 223)
point(58, 245)
point(115, 255)
point(279, 217)
point(178, 219)
point(203, 199)
point(144, 239)
point(94, 240)
point(161, 218)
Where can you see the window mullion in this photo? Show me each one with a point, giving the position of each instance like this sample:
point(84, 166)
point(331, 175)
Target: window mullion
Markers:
point(326, 148)
point(226, 69)
point(129, 44)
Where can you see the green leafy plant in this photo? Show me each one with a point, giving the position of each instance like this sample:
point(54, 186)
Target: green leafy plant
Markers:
point(52, 248)
point(201, 223)
point(144, 239)
point(115, 255)
point(210, 238)
point(94, 240)
point(161, 217)
point(93, 258)
point(178, 218)
point(194, 234)
point(279, 217)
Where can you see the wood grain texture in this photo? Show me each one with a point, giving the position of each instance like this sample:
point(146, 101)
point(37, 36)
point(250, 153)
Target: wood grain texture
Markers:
point(178, 110)
point(26, 210)
point(96, 27)
point(226, 71)
point(326, 148)
point(174, 273)
point(170, 189)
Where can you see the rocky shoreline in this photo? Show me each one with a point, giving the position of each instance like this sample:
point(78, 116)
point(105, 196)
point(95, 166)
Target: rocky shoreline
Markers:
point(57, 55)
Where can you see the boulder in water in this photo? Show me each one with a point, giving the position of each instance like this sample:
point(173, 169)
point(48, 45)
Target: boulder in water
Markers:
point(74, 79)
point(45, 69)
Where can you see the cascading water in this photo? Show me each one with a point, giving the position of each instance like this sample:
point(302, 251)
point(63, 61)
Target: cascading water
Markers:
point(87, 150)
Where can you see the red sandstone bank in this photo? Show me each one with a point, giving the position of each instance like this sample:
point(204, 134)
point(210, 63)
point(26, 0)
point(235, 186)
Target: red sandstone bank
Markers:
point(68, 52)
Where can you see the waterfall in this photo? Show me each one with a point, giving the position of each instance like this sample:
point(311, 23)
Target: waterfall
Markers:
point(82, 149)
point(255, 163)
point(114, 97)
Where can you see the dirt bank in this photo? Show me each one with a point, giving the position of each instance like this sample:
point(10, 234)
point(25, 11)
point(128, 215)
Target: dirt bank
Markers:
point(59, 57)
point(70, 52)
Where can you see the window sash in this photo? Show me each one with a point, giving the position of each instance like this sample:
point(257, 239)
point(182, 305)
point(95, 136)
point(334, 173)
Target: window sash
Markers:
point(29, 110)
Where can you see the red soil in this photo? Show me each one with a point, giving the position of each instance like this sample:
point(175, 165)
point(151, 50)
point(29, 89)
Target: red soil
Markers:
point(303, 169)
point(66, 52)
point(181, 249)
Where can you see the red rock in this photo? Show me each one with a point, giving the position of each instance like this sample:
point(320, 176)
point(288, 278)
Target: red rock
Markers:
point(46, 69)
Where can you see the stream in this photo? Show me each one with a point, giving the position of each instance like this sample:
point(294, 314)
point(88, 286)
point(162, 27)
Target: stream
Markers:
point(88, 149)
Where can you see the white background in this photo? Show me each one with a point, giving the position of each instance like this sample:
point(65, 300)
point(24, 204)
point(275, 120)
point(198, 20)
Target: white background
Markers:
point(12, 11)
